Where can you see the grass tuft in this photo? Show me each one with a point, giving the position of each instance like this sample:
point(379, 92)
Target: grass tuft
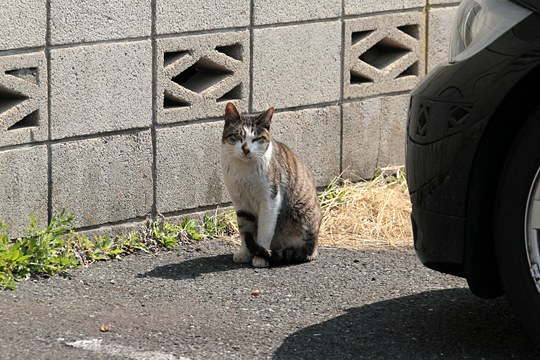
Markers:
point(57, 247)
point(41, 251)
point(333, 196)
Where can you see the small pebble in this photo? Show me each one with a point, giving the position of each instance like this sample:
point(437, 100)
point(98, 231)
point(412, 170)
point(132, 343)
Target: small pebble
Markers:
point(105, 328)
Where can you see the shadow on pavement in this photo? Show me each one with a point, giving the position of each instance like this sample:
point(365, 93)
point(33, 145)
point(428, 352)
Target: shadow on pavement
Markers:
point(190, 269)
point(442, 324)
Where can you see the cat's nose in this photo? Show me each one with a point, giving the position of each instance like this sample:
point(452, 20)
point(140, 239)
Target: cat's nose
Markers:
point(245, 149)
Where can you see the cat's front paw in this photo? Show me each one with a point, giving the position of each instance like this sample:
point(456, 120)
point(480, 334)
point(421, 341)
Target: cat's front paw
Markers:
point(259, 262)
point(242, 256)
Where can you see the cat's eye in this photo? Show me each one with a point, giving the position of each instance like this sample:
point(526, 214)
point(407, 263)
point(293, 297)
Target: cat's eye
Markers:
point(234, 138)
point(260, 138)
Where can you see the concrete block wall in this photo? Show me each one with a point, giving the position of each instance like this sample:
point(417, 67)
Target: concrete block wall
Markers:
point(112, 109)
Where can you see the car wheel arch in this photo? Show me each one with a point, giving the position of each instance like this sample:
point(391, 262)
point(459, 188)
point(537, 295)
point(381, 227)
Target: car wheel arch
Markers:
point(504, 125)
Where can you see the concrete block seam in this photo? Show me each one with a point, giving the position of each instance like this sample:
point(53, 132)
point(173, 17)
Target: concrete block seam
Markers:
point(23, 188)
point(296, 65)
point(23, 24)
point(104, 179)
point(188, 170)
point(174, 17)
point(100, 88)
point(87, 21)
point(283, 11)
point(355, 7)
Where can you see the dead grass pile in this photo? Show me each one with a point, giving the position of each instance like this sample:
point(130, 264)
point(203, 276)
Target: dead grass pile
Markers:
point(371, 213)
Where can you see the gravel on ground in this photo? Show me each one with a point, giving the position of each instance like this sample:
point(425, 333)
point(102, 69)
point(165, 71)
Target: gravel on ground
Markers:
point(195, 303)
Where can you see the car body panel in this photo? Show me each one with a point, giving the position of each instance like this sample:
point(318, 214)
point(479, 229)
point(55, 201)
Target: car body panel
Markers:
point(448, 116)
point(533, 5)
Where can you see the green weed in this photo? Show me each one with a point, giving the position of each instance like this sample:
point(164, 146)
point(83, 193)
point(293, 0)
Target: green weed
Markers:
point(41, 251)
point(57, 247)
point(333, 195)
point(392, 175)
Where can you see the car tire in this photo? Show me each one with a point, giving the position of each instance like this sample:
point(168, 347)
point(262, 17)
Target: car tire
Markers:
point(519, 178)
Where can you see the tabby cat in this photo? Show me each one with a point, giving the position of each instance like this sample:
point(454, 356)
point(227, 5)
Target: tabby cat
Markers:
point(273, 193)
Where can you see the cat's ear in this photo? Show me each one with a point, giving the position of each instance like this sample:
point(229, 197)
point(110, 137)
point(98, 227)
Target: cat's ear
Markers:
point(266, 118)
point(231, 113)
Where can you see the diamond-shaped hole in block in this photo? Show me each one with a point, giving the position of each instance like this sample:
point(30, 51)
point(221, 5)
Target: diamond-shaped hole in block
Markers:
point(358, 36)
point(172, 102)
point(202, 75)
point(411, 30)
point(410, 71)
point(28, 74)
point(234, 94)
point(31, 120)
point(358, 78)
point(384, 53)
point(173, 56)
point(10, 98)
point(234, 51)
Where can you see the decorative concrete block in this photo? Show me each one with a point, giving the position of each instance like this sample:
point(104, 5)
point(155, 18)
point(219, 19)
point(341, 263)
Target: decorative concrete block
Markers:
point(373, 135)
point(23, 189)
point(94, 20)
point(23, 23)
point(198, 75)
point(296, 65)
point(103, 180)
point(283, 11)
point(23, 98)
point(314, 135)
point(383, 54)
point(100, 88)
point(441, 23)
point(355, 7)
point(189, 167)
point(192, 15)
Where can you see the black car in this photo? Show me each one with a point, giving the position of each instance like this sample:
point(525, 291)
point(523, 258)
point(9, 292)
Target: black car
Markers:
point(473, 156)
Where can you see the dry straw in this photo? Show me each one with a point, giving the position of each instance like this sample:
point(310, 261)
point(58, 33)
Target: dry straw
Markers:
point(370, 213)
point(365, 214)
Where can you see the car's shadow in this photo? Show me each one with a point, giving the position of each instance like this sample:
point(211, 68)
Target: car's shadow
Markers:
point(442, 324)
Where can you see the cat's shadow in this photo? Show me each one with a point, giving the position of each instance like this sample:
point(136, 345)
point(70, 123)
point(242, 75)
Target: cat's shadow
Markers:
point(191, 269)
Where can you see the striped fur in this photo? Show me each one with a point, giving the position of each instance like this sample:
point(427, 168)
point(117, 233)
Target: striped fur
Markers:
point(273, 193)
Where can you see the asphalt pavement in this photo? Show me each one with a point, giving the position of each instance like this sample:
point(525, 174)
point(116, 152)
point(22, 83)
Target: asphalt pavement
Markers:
point(195, 303)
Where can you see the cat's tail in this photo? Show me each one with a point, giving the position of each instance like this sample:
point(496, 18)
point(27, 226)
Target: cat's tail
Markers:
point(288, 255)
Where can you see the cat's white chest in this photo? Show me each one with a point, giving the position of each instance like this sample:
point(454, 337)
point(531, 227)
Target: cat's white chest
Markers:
point(247, 183)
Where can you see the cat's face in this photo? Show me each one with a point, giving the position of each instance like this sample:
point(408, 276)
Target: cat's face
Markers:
point(246, 137)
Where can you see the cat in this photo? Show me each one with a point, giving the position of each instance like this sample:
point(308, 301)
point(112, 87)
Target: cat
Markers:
point(273, 193)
